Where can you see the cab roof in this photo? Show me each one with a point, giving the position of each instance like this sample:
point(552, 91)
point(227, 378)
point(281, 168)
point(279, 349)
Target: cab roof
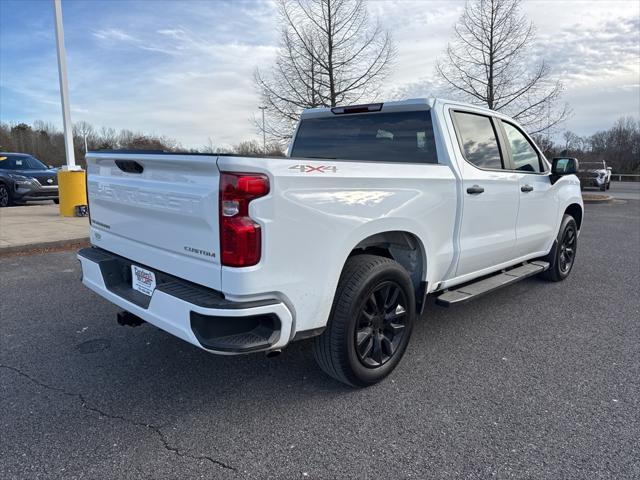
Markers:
point(409, 105)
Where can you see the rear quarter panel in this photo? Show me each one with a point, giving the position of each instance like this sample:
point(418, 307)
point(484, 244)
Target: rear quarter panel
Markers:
point(313, 218)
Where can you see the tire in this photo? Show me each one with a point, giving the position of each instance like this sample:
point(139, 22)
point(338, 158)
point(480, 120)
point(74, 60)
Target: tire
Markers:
point(608, 185)
point(370, 323)
point(603, 188)
point(57, 201)
point(6, 199)
point(562, 257)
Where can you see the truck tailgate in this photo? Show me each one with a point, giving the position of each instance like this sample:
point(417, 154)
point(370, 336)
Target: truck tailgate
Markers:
point(160, 210)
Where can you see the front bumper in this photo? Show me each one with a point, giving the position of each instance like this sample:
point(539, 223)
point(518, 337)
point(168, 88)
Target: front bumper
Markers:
point(593, 181)
point(33, 192)
point(198, 315)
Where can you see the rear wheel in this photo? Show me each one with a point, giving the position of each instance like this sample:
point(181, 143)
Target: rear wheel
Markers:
point(562, 258)
point(56, 201)
point(5, 196)
point(371, 321)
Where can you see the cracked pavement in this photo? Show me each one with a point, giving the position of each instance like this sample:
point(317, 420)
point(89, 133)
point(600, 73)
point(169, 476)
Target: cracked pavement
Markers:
point(155, 428)
point(538, 380)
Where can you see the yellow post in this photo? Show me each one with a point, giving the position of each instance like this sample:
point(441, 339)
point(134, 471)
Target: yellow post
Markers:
point(72, 191)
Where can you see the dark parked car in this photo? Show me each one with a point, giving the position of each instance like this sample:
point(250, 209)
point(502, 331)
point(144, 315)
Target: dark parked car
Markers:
point(24, 178)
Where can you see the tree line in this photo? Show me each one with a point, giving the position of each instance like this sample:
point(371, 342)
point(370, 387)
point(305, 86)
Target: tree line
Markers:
point(619, 146)
point(45, 141)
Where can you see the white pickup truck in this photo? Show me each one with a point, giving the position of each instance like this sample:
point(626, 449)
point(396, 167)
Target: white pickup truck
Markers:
point(374, 207)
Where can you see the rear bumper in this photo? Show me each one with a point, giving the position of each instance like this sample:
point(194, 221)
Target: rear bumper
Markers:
point(196, 314)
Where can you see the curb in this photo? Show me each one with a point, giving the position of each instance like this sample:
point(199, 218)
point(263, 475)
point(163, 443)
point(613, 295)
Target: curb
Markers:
point(44, 246)
point(595, 198)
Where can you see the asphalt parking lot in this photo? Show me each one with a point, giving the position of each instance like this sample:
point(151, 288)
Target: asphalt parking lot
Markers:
point(538, 380)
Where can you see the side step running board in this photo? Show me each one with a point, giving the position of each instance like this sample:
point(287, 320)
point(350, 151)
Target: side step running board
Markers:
point(469, 291)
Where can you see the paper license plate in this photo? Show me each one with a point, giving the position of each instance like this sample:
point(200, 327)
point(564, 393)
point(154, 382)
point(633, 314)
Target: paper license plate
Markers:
point(143, 280)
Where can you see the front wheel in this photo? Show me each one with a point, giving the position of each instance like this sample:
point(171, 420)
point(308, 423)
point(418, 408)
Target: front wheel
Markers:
point(562, 257)
point(371, 321)
point(5, 196)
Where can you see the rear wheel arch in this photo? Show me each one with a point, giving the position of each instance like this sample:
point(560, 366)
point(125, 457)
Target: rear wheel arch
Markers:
point(402, 246)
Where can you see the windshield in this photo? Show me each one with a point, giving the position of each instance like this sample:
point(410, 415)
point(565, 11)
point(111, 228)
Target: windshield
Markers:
point(21, 162)
point(383, 137)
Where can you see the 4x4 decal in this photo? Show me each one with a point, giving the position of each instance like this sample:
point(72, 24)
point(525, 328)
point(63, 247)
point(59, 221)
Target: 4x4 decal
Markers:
point(315, 168)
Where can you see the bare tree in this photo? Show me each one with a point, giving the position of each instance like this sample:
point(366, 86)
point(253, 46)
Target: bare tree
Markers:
point(487, 64)
point(330, 54)
point(252, 148)
point(82, 130)
point(571, 140)
point(209, 147)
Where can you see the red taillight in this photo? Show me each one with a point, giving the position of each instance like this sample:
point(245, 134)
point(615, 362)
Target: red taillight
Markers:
point(240, 236)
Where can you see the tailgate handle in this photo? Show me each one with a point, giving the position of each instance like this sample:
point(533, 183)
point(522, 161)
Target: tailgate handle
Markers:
point(129, 166)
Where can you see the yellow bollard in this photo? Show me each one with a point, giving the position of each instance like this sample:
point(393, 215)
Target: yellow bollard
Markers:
point(72, 191)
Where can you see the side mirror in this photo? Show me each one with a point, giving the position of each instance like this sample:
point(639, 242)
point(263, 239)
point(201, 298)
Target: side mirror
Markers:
point(51, 166)
point(564, 166)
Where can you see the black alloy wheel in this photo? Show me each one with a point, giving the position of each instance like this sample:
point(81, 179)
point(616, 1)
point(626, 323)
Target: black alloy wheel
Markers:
point(562, 256)
point(370, 324)
point(381, 325)
point(567, 247)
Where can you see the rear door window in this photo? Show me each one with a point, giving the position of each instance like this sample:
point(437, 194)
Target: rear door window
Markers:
point(478, 140)
point(382, 137)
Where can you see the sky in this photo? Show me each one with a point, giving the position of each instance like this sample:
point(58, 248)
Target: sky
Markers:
point(184, 69)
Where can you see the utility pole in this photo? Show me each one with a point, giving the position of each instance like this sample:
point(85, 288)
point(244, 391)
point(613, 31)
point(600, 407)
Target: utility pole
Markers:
point(72, 186)
point(264, 136)
point(64, 87)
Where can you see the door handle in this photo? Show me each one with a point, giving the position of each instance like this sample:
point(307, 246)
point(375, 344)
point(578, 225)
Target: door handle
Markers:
point(475, 190)
point(526, 188)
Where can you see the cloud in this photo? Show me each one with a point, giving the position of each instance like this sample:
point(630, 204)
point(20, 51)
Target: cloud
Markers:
point(586, 53)
point(186, 69)
point(113, 34)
